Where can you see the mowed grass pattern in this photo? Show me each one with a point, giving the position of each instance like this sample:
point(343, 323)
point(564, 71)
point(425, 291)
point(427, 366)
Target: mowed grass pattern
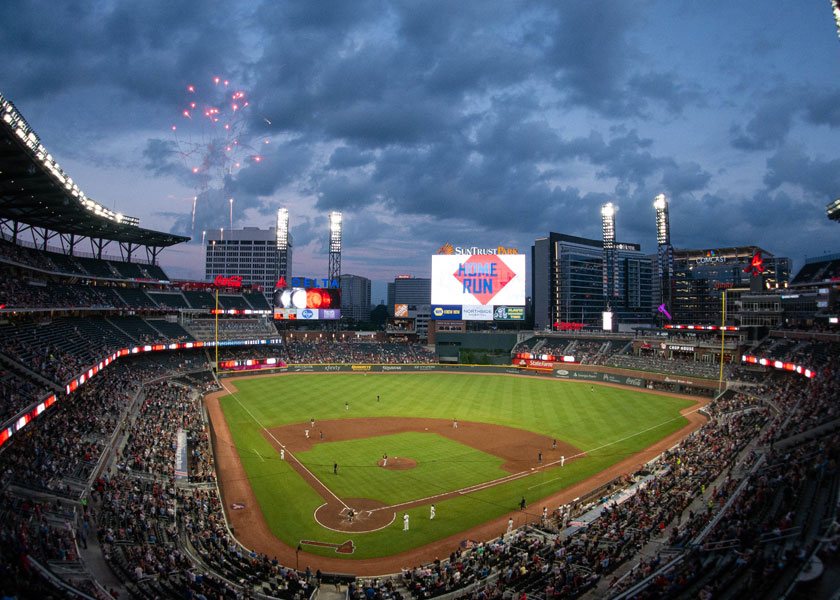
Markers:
point(608, 423)
point(442, 465)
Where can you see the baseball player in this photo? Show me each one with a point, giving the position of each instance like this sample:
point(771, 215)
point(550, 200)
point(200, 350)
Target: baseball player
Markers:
point(432, 513)
point(405, 522)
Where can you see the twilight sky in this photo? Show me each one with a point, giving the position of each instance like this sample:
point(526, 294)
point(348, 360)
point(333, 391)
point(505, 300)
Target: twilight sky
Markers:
point(469, 122)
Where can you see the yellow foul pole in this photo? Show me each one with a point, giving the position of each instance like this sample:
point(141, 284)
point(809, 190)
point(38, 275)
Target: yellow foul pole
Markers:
point(217, 329)
point(722, 337)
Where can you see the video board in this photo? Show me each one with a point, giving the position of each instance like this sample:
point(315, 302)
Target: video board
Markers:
point(300, 303)
point(471, 287)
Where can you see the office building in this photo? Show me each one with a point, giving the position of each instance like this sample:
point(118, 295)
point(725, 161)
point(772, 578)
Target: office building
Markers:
point(568, 282)
point(250, 253)
point(355, 297)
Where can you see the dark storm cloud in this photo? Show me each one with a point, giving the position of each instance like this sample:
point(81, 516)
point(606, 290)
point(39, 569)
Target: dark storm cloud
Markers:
point(667, 89)
point(792, 165)
point(345, 157)
point(775, 116)
point(679, 179)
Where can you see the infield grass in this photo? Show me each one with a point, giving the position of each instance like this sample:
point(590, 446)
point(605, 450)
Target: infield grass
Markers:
point(442, 465)
point(609, 424)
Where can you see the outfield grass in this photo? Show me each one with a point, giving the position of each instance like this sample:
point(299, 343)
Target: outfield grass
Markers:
point(608, 423)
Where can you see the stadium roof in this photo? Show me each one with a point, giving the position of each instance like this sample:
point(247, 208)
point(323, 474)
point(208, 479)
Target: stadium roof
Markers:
point(35, 191)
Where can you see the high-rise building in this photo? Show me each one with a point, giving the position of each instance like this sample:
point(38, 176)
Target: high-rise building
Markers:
point(409, 295)
point(355, 297)
point(568, 282)
point(702, 276)
point(250, 253)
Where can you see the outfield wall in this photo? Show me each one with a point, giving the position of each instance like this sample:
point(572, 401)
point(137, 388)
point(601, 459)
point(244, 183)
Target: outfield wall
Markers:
point(627, 377)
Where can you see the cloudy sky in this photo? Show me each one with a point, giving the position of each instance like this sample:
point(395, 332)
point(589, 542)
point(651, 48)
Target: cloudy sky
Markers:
point(425, 122)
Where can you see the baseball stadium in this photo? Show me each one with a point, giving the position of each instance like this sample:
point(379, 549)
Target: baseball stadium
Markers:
point(189, 439)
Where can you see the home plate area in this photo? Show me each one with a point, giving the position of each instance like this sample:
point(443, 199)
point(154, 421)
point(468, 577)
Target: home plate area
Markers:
point(357, 515)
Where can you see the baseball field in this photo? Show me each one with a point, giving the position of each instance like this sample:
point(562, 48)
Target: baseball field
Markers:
point(331, 464)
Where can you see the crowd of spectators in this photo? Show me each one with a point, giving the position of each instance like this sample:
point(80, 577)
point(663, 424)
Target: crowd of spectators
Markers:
point(678, 366)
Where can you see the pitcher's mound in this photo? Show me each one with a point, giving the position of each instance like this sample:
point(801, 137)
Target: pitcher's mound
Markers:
point(398, 464)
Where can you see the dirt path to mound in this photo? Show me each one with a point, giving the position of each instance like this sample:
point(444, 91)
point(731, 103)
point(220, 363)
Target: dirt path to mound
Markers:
point(252, 530)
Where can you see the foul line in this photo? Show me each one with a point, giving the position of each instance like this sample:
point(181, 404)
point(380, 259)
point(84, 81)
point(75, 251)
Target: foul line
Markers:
point(271, 435)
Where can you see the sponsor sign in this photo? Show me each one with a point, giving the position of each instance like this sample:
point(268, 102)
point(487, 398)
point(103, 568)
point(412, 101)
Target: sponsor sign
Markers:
point(180, 454)
point(235, 281)
point(478, 280)
point(561, 373)
point(306, 282)
point(360, 368)
point(446, 312)
point(538, 364)
point(589, 375)
point(509, 313)
point(460, 250)
point(401, 310)
point(392, 367)
point(307, 313)
point(477, 313)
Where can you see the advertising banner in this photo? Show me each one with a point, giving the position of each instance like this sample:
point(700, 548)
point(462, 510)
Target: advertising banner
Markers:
point(509, 313)
point(446, 312)
point(478, 279)
point(477, 313)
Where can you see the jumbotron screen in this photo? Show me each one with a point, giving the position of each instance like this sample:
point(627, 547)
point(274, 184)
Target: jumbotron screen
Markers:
point(298, 303)
point(476, 283)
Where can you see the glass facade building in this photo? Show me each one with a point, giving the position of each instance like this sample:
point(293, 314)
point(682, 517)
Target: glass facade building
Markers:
point(567, 275)
point(702, 276)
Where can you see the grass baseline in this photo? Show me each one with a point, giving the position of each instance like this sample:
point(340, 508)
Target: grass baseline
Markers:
point(471, 509)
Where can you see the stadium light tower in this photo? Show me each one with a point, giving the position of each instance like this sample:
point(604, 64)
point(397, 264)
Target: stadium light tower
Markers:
point(665, 252)
point(832, 211)
point(283, 245)
point(835, 5)
point(335, 245)
point(610, 264)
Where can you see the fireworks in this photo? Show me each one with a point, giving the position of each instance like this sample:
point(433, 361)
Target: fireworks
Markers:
point(211, 136)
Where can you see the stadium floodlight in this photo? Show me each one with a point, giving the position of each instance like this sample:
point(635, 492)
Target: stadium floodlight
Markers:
point(608, 224)
point(335, 245)
point(282, 229)
point(835, 4)
point(663, 228)
point(610, 264)
point(335, 231)
point(832, 211)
